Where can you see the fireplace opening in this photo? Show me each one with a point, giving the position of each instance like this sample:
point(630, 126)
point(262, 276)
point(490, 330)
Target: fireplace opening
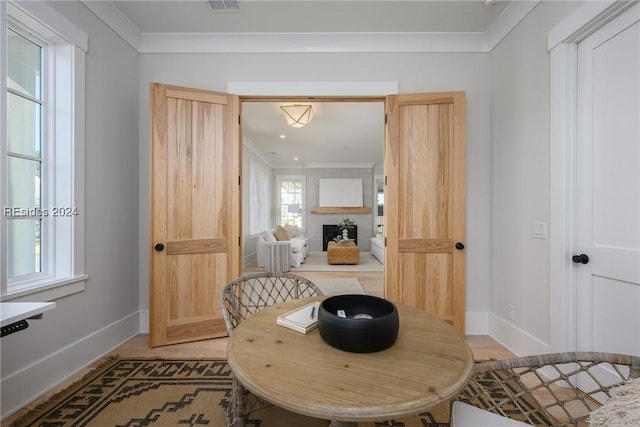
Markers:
point(330, 231)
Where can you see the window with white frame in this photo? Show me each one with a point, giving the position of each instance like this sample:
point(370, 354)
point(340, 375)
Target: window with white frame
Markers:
point(291, 195)
point(42, 226)
point(23, 209)
point(259, 197)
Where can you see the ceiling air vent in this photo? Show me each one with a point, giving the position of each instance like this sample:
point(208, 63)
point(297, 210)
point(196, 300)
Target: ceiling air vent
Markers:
point(222, 5)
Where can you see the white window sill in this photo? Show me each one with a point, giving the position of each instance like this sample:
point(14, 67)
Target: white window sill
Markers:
point(49, 292)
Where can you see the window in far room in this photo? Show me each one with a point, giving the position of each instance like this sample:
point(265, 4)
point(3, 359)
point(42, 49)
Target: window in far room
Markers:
point(259, 197)
point(291, 189)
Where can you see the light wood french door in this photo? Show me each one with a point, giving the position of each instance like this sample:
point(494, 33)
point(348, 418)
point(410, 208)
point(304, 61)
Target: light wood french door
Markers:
point(195, 211)
point(424, 218)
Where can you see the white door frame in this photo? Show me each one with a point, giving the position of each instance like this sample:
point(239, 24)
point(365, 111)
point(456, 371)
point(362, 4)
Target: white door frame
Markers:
point(562, 43)
point(309, 88)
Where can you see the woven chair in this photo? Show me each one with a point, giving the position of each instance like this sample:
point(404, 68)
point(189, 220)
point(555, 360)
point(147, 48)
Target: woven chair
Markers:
point(558, 389)
point(242, 298)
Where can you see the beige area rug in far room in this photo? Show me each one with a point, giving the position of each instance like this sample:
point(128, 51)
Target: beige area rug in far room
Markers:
point(317, 261)
point(331, 286)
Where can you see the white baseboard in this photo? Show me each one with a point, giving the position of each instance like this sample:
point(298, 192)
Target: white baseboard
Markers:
point(144, 321)
point(515, 339)
point(23, 386)
point(476, 323)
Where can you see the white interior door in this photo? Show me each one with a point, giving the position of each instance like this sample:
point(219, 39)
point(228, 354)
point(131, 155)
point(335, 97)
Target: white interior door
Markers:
point(608, 188)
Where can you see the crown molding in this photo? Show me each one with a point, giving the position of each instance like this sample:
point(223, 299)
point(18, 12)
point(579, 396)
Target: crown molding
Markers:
point(108, 13)
point(302, 166)
point(257, 152)
point(340, 165)
point(312, 43)
point(58, 26)
point(507, 21)
point(399, 42)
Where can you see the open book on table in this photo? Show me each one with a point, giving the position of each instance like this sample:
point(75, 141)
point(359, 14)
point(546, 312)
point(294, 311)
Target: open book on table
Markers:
point(302, 319)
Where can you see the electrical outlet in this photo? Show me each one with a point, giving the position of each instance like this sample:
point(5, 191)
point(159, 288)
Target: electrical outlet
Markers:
point(511, 312)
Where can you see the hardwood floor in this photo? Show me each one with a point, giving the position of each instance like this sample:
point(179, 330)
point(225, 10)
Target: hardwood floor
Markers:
point(483, 347)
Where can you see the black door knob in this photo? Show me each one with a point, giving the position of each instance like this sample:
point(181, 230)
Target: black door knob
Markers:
point(581, 259)
point(159, 247)
point(460, 246)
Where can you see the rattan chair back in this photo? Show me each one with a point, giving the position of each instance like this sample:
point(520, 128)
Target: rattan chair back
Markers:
point(242, 298)
point(558, 389)
point(248, 294)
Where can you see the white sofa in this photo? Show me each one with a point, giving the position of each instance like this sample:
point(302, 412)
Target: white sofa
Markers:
point(298, 247)
point(377, 248)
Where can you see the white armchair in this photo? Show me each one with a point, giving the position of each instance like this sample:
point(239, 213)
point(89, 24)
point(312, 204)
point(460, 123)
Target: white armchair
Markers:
point(298, 246)
point(377, 248)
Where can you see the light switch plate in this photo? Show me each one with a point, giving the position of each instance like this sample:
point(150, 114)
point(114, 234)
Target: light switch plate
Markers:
point(540, 230)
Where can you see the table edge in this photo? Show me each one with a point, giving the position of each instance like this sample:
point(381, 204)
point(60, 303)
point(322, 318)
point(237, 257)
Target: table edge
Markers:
point(360, 414)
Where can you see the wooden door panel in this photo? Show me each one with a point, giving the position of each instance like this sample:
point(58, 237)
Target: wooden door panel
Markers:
point(195, 246)
point(427, 171)
point(190, 293)
point(197, 207)
point(194, 329)
point(195, 180)
point(424, 216)
point(426, 279)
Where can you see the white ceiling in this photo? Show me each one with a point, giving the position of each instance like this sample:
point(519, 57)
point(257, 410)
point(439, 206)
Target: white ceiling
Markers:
point(341, 132)
point(347, 133)
point(264, 16)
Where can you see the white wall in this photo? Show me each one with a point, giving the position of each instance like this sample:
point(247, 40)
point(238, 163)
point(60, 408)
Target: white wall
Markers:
point(413, 72)
point(520, 187)
point(86, 325)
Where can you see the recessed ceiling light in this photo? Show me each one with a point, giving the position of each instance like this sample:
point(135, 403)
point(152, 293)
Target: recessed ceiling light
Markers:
point(283, 136)
point(295, 158)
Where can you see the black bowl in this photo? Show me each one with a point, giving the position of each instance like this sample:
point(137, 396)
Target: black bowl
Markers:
point(371, 323)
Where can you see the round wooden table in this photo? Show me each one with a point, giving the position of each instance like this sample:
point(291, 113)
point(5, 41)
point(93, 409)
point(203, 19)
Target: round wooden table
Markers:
point(429, 363)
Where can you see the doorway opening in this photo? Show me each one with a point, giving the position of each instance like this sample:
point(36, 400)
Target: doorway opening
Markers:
point(345, 139)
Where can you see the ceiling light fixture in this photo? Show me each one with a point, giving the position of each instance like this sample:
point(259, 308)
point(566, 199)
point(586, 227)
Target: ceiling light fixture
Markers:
point(298, 115)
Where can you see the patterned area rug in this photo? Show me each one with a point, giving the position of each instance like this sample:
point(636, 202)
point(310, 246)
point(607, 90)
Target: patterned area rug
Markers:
point(154, 392)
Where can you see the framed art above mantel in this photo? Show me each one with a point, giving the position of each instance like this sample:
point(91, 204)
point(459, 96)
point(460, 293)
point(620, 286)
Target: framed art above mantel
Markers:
point(340, 192)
